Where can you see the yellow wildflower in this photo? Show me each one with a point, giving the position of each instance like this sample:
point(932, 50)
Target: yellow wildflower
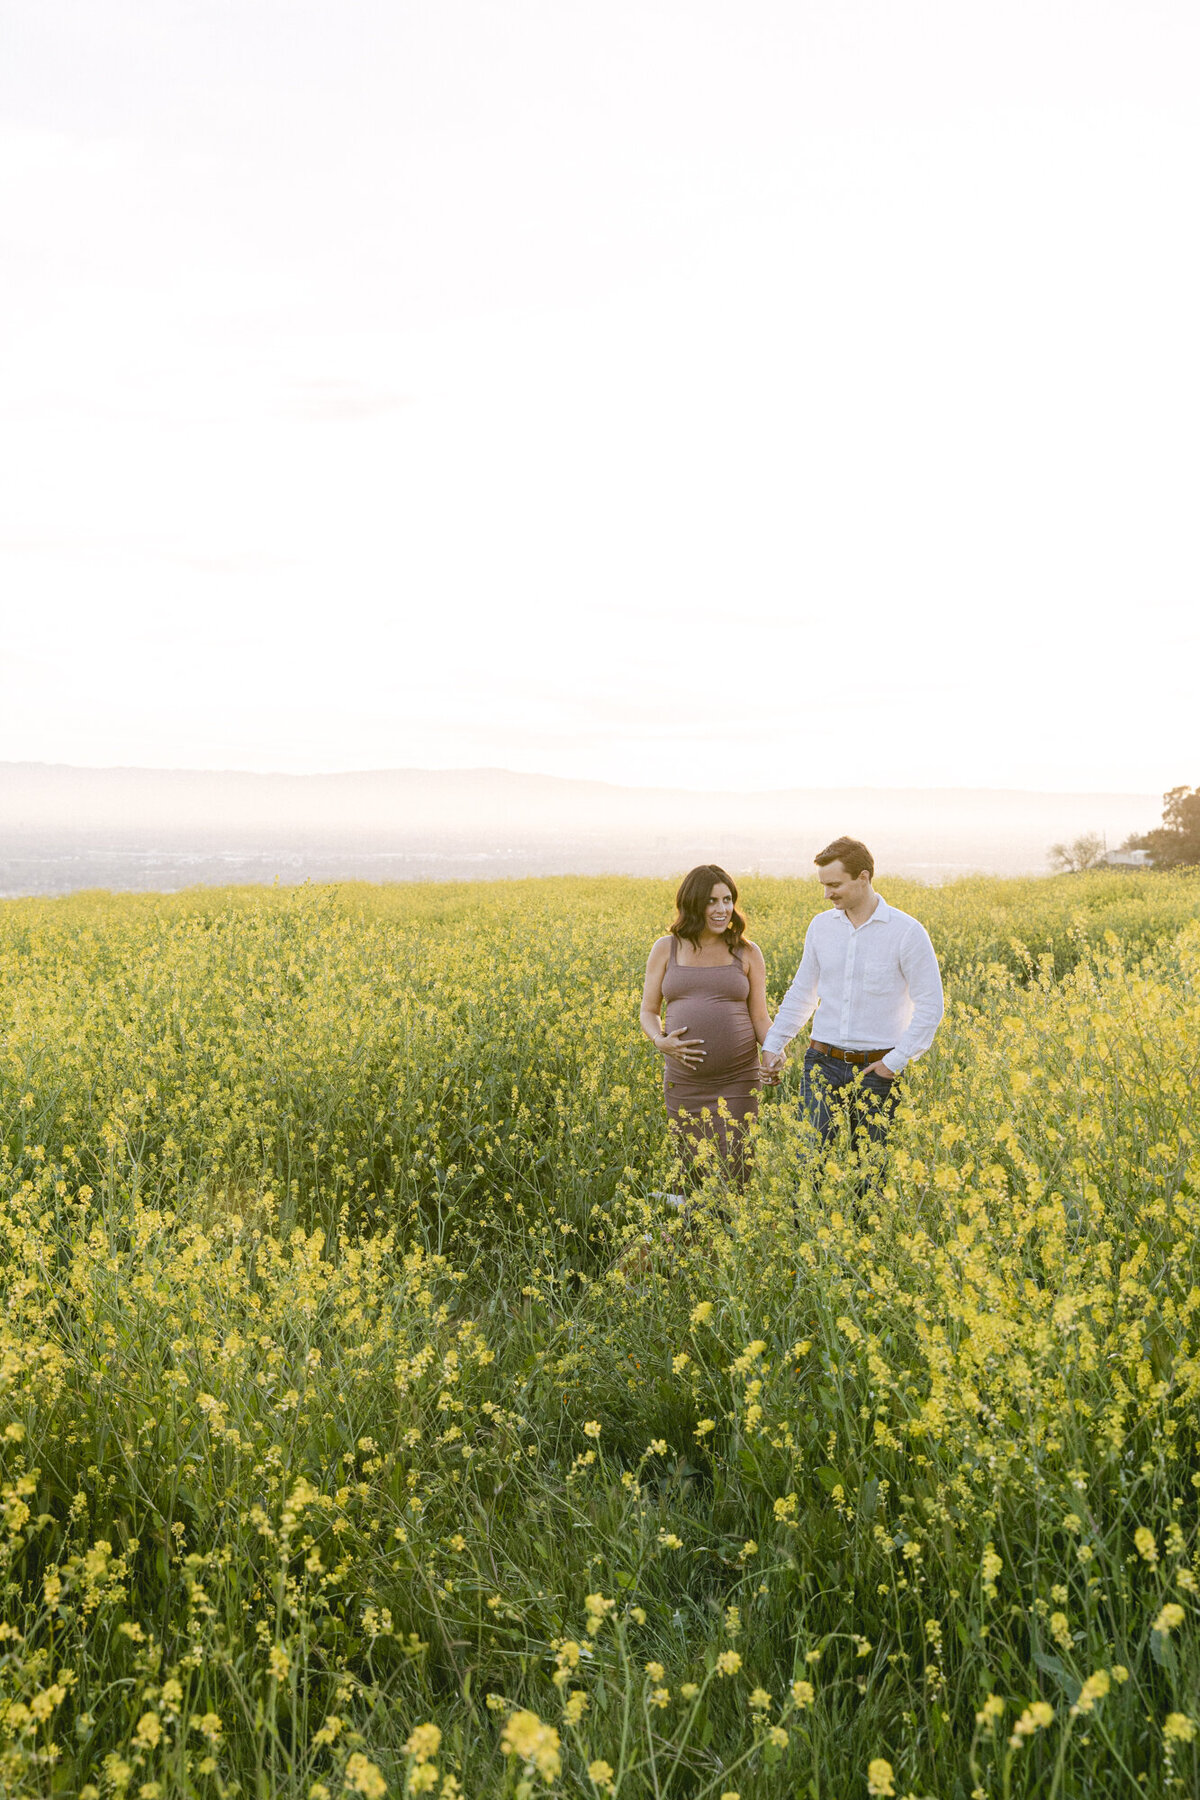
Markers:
point(1034, 1718)
point(574, 1706)
point(990, 1567)
point(43, 1704)
point(1145, 1545)
point(423, 1742)
point(364, 1777)
point(1094, 1688)
point(148, 1731)
point(536, 1744)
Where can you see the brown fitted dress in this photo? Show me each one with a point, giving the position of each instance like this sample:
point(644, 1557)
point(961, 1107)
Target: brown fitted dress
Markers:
point(712, 1004)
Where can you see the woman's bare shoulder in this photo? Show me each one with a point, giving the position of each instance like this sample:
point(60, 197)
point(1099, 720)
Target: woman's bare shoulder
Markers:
point(749, 945)
point(660, 946)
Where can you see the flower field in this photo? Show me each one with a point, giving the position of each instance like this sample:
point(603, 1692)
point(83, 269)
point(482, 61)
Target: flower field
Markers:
point(354, 1441)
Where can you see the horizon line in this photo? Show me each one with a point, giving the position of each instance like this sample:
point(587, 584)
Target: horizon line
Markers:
point(564, 780)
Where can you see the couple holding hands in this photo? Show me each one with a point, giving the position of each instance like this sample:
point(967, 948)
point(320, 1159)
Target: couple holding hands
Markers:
point(868, 972)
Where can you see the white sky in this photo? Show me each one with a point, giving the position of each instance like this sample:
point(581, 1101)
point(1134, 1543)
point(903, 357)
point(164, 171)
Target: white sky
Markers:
point(665, 391)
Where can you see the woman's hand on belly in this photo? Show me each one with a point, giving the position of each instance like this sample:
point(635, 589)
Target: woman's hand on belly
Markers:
point(685, 1052)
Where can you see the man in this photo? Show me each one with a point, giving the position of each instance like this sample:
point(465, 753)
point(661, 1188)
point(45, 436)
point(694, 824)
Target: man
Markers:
point(870, 973)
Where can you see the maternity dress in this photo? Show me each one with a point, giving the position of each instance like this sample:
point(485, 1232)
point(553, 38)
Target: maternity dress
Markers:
point(712, 1102)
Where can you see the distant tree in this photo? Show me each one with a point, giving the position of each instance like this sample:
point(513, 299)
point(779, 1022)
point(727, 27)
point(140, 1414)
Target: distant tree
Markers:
point(1084, 853)
point(1176, 842)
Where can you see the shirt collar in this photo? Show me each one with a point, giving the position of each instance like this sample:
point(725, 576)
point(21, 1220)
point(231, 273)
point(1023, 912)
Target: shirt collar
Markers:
point(881, 912)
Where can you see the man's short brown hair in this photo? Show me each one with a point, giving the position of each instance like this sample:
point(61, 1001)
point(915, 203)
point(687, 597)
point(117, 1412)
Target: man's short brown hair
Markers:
point(852, 853)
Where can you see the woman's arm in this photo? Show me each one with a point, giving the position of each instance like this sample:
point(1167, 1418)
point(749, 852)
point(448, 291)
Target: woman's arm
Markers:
point(756, 969)
point(684, 1050)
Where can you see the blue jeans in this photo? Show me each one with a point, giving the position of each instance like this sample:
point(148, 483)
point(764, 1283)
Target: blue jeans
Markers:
point(829, 1087)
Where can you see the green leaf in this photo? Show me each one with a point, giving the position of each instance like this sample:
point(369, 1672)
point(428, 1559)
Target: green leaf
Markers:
point(1051, 1665)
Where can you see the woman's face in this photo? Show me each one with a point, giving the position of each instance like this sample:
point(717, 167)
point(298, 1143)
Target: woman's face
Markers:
point(718, 914)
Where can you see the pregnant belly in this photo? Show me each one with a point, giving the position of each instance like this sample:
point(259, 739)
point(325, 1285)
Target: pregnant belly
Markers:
point(730, 1046)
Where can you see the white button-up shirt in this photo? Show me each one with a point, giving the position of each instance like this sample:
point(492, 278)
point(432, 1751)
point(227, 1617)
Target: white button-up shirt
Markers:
point(871, 986)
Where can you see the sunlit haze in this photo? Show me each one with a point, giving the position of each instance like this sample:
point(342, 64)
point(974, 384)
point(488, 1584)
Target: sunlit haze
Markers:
point(694, 395)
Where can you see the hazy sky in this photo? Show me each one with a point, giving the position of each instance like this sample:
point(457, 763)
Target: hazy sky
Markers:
point(668, 391)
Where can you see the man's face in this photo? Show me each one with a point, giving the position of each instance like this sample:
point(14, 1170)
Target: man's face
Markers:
point(841, 888)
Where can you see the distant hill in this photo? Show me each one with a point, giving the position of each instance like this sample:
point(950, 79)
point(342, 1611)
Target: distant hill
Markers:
point(63, 828)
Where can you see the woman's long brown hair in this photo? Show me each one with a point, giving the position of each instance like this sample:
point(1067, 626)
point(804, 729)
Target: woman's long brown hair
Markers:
point(692, 898)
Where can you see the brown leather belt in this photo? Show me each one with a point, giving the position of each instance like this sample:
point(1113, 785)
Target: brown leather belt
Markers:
point(860, 1058)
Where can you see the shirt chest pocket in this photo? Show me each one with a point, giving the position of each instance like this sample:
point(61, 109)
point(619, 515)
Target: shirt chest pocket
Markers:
point(879, 975)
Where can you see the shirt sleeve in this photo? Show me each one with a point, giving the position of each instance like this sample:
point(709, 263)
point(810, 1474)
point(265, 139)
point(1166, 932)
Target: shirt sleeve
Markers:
point(799, 1001)
point(919, 964)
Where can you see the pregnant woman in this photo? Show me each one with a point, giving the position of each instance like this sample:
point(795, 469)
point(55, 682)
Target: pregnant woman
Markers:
point(714, 983)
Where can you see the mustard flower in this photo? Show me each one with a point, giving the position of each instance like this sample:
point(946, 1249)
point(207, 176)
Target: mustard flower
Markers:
point(423, 1742)
point(365, 1778)
point(1035, 1718)
point(148, 1731)
point(1094, 1688)
point(536, 1744)
point(1145, 1545)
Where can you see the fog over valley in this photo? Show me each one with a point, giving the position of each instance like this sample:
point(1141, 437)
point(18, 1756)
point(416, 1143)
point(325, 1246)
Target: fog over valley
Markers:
point(65, 828)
